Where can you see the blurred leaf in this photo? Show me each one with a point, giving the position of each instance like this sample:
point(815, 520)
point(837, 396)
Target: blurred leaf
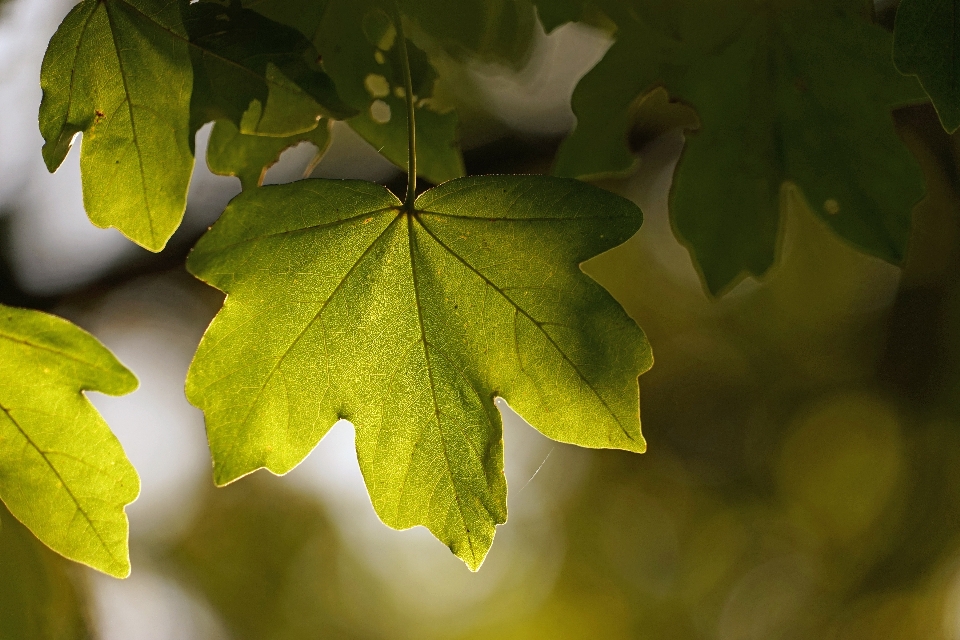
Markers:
point(492, 30)
point(927, 44)
point(37, 597)
point(266, 559)
point(341, 304)
point(260, 74)
point(231, 153)
point(62, 472)
point(119, 71)
point(357, 41)
point(797, 93)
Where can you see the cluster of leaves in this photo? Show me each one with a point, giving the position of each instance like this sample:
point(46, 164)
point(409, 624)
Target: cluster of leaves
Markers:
point(409, 318)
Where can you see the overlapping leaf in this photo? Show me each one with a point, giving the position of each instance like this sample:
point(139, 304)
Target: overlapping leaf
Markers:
point(138, 77)
point(490, 30)
point(927, 44)
point(62, 472)
point(261, 75)
point(342, 304)
point(786, 91)
point(356, 40)
point(358, 43)
point(231, 153)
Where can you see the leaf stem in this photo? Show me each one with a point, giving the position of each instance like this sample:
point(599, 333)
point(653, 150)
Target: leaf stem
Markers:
point(411, 118)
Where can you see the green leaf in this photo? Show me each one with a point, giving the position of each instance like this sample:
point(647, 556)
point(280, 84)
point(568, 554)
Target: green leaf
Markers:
point(38, 600)
point(358, 44)
point(231, 153)
point(356, 41)
point(798, 92)
point(119, 71)
point(491, 30)
point(341, 304)
point(260, 74)
point(62, 472)
point(129, 76)
point(927, 44)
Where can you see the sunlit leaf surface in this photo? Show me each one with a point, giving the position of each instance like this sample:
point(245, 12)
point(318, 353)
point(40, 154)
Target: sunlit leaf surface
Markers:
point(342, 304)
point(119, 71)
point(62, 472)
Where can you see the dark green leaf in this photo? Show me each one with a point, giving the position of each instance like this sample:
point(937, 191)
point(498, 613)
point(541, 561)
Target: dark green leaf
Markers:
point(260, 74)
point(343, 305)
point(927, 44)
point(62, 472)
point(492, 30)
point(119, 71)
point(358, 43)
point(800, 92)
point(231, 153)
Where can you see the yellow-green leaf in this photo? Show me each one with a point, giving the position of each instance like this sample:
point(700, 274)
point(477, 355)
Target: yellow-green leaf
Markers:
point(343, 304)
point(62, 472)
point(119, 71)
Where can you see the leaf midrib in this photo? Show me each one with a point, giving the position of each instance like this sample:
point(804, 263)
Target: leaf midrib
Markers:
point(411, 240)
point(416, 214)
point(60, 479)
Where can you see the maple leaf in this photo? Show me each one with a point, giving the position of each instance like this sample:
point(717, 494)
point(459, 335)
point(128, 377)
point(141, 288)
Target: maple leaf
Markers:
point(342, 303)
point(231, 153)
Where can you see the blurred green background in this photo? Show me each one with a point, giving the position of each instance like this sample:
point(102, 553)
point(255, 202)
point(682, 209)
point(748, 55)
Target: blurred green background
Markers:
point(803, 473)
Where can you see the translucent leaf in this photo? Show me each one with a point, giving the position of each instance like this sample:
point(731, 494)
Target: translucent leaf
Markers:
point(62, 472)
point(138, 80)
point(342, 304)
point(119, 71)
point(260, 74)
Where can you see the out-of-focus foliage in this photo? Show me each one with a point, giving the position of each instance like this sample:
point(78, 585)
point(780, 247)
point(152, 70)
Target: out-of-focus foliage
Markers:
point(62, 472)
point(38, 599)
point(927, 44)
point(266, 559)
point(800, 93)
point(409, 324)
point(491, 30)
